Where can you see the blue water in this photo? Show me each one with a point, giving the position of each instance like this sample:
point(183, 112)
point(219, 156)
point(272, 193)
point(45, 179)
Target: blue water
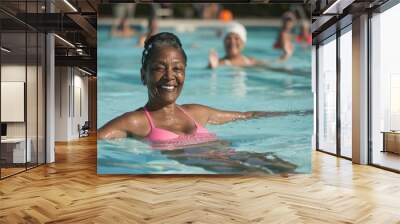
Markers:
point(289, 138)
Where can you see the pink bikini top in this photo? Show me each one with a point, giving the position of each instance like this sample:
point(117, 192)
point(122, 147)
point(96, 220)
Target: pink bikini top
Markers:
point(170, 140)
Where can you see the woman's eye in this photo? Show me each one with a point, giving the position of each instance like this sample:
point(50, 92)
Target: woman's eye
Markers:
point(177, 69)
point(159, 68)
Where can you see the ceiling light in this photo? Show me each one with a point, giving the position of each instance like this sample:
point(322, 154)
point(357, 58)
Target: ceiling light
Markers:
point(5, 49)
point(65, 41)
point(70, 5)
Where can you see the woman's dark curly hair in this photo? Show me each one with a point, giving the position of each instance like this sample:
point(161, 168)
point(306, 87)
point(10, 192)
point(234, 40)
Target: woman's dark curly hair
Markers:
point(160, 40)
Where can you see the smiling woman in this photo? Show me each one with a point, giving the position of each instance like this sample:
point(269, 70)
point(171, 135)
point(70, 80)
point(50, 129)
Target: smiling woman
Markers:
point(235, 36)
point(161, 119)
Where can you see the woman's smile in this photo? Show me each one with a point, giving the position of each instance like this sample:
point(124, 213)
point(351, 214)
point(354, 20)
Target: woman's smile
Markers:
point(168, 87)
point(168, 91)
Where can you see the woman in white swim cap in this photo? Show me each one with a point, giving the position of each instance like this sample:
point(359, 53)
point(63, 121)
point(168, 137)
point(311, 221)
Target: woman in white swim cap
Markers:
point(235, 37)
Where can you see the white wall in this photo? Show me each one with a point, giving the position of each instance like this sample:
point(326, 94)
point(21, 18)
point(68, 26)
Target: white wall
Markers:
point(81, 89)
point(16, 73)
point(62, 81)
point(11, 73)
point(70, 84)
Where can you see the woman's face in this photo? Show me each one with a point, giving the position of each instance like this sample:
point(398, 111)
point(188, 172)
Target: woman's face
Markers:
point(164, 74)
point(233, 45)
point(289, 24)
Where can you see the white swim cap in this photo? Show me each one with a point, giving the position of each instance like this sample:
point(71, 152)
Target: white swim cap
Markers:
point(237, 28)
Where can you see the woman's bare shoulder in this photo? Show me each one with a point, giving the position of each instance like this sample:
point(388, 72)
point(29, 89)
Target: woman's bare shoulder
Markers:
point(134, 122)
point(199, 112)
point(193, 107)
point(136, 117)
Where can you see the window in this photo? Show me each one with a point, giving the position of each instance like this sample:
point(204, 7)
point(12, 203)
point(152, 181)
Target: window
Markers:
point(327, 96)
point(346, 92)
point(385, 88)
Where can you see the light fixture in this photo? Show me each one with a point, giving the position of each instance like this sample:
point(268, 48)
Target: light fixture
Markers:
point(70, 5)
point(84, 71)
point(5, 50)
point(64, 40)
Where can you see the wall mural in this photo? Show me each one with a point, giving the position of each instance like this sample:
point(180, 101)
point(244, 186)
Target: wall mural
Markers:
point(204, 89)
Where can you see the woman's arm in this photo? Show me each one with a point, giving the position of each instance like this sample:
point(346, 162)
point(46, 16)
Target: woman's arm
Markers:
point(287, 47)
point(209, 115)
point(221, 117)
point(122, 126)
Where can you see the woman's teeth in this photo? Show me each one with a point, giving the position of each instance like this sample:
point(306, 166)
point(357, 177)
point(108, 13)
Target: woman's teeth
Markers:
point(167, 87)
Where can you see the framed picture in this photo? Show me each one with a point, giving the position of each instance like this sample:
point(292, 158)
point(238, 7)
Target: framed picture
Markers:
point(204, 89)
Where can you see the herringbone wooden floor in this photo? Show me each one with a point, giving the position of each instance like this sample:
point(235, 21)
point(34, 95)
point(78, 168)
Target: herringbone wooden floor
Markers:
point(70, 191)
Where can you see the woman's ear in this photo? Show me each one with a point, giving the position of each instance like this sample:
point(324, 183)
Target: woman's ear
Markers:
point(142, 76)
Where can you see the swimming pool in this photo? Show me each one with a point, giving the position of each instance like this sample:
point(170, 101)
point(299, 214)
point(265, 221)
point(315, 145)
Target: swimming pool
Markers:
point(286, 138)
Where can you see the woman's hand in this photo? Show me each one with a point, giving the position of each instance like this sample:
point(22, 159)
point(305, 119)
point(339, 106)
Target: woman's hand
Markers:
point(213, 60)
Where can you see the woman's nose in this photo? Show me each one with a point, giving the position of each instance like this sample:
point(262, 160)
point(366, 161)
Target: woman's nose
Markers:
point(169, 73)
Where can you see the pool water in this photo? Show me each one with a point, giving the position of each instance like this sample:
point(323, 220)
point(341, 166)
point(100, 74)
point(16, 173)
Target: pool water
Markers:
point(284, 141)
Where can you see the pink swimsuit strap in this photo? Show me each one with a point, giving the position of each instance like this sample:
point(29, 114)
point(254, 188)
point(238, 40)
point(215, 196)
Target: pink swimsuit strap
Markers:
point(162, 135)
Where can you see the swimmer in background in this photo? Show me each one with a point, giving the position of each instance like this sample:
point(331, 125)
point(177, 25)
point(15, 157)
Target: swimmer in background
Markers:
point(123, 29)
point(285, 36)
point(210, 11)
point(235, 37)
point(305, 36)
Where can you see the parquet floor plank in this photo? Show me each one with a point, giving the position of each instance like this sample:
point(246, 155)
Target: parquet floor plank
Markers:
point(70, 191)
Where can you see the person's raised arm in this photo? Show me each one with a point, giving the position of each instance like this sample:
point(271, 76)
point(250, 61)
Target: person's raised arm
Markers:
point(287, 47)
point(213, 60)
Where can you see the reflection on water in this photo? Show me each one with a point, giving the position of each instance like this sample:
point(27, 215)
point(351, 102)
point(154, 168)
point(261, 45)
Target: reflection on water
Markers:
point(212, 157)
point(237, 83)
point(226, 160)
